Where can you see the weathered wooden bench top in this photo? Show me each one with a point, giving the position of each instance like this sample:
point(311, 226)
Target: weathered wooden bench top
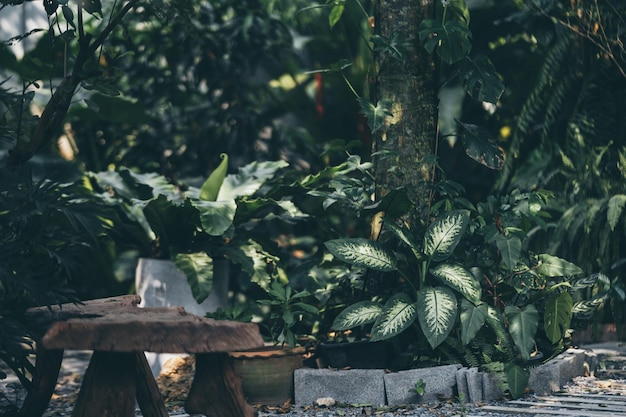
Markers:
point(119, 332)
point(117, 325)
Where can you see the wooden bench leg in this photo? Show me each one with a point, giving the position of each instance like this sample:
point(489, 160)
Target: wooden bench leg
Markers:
point(148, 395)
point(109, 386)
point(47, 366)
point(216, 389)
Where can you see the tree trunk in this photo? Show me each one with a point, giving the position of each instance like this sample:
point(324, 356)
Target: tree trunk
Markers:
point(410, 84)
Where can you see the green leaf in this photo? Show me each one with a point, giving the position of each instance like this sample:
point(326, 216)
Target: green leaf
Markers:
point(472, 320)
point(552, 266)
point(437, 310)
point(459, 10)
point(335, 14)
point(614, 212)
point(357, 314)
point(363, 252)
point(451, 40)
point(510, 248)
point(211, 187)
point(405, 236)
point(523, 327)
point(480, 79)
point(517, 379)
point(444, 234)
point(215, 216)
point(394, 46)
point(375, 115)
point(557, 316)
point(249, 179)
point(395, 204)
point(93, 7)
point(198, 268)
point(398, 313)
point(68, 14)
point(459, 278)
point(253, 260)
point(481, 146)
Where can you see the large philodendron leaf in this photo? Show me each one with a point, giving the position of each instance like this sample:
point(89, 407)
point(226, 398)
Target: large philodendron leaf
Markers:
point(480, 79)
point(357, 314)
point(553, 266)
point(451, 40)
point(363, 252)
point(472, 320)
point(377, 114)
point(510, 248)
point(459, 278)
point(198, 268)
point(517, 379)
point(557, 316)
point(215, 216)
point(444, 234)
point(398, 313)
point(248, 179)
point(481, 146)
point(437, 310)
point(523, 325)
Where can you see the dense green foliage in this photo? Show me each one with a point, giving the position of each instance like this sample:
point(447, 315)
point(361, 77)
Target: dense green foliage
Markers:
point(149, 97)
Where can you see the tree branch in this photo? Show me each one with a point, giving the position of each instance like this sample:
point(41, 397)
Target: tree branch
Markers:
point(58, 105)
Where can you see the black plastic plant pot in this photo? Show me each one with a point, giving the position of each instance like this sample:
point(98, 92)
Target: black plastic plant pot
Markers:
point(362, 354)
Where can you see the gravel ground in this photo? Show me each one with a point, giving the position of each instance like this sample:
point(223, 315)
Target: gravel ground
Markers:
point(68, 385)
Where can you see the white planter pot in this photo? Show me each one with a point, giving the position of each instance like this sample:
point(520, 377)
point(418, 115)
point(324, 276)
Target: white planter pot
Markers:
point(161, 284)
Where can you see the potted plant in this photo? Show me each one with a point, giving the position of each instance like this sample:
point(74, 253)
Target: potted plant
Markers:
point(196, 227)
point(192, 236)
point(267, 373)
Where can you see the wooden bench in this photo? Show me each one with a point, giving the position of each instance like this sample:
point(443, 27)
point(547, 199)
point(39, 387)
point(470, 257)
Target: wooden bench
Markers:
point(118, 333)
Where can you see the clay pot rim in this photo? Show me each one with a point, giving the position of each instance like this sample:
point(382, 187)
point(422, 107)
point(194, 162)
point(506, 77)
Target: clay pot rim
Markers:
point(268, 352)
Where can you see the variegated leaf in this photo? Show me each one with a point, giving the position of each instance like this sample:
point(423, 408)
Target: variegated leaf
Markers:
point(398, 313)
point(444, 234)
point(459, 278)
point(357, 314)
point(363, 252)
point(437, 309)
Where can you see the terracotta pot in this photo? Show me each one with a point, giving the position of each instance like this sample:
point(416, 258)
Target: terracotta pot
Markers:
point(267, 373)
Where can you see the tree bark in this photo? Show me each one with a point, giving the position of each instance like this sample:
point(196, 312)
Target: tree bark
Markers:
point(409, 135)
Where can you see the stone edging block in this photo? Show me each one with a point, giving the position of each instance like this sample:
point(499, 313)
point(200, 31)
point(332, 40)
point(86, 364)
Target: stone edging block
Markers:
point(439, 383)
point(354, 386)
point(374, 386)
point(552, 375)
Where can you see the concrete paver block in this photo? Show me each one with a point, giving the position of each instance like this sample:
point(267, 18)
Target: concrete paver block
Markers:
point(474, 385)
point(461, 384)
point(354, 386)
point(492, 386)
point(553, 375)
point(439, 381)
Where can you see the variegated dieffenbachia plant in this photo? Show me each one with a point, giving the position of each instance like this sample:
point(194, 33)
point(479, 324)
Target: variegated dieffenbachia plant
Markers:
point(470, 280)
point(433, 302)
